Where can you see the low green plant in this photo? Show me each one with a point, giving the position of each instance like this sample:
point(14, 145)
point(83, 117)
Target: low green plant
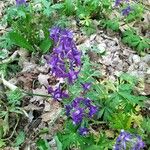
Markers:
point(70, 137)
point(10, 112)
point(140, 44)
point(119, 108)
point(28, 29)
point(137, 11)
point(42, 145)
point(5, 42)
point(9, 69)
point(110, 24)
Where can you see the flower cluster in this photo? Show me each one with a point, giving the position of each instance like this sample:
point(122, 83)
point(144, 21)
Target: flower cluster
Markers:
point(80, 108)
point(20, 2)
point(118, 2)
point(57, 93)
point(126, 140)
point(65, 60)
point(126, 10)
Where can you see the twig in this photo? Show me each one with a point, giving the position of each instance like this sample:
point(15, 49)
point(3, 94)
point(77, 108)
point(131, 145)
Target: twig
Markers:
point(12, 131)
point(32, 94)
point(13, 87)
point(10, 59)
point(8, 84)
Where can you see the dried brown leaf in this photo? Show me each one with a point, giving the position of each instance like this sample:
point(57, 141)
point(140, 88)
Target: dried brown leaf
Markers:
point(43, 79)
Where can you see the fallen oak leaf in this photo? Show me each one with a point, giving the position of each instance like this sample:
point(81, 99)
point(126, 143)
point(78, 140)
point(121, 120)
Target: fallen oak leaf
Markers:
point(53, 114)
point(31, 107)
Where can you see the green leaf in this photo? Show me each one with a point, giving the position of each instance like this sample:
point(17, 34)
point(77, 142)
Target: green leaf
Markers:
point(5, 125)
point(93, 147)
point(130, 98)
point(59, 144)
point(45, 45)
point(112, 24)
point(20, 138)
point(134, 44)
point(1, 128)
point(125, 40)
point(142, 45)
point(146, 125)
point(125, 77)
point(101, 112)
point(43, 145)
point(57, 6)
point(120, 121)
point(3, 54)
point(115, 26)
point(2, 143)
point(14, 97)
point(19, 40)
point(69, 8)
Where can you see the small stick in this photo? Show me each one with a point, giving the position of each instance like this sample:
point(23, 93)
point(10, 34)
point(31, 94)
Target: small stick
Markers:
point(10, 59)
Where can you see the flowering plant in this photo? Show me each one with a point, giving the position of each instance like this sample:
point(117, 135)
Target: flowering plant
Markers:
point(126, 140)
point(20, 2)
point(65, 60)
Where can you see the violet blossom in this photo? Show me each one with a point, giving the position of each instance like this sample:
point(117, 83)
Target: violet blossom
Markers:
point(118, 2)
point(79, 109)
point(83, 131)
point(126, 11)
point(77, 115)
point(57, 93)
point(65, 60)
point(139, 144)
point(20, 2)
point(126, 140)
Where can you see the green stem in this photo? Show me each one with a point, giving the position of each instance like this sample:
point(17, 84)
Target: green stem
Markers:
point(97, 122)
point(32, 94)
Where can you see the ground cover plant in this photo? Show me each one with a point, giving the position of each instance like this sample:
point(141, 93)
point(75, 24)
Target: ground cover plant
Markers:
point(60, 84)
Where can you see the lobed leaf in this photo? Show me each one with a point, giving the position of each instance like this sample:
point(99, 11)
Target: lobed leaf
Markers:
point(20, 41)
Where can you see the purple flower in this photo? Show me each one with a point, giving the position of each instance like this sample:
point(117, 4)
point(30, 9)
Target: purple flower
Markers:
point(126, 11)
point(77, 115)
point(68, 109)
point(139, 144)
point(20, 2)
point(126, 139)
point(57, 94)
point(65, 60)
point(80, 108)
point(87, 102)
point(118, 2)
point(83, 131)
point(86, 86)
point(72, 76)
point(76, 102)
point(122, 140)
point(55, 34)
point(92, 110)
